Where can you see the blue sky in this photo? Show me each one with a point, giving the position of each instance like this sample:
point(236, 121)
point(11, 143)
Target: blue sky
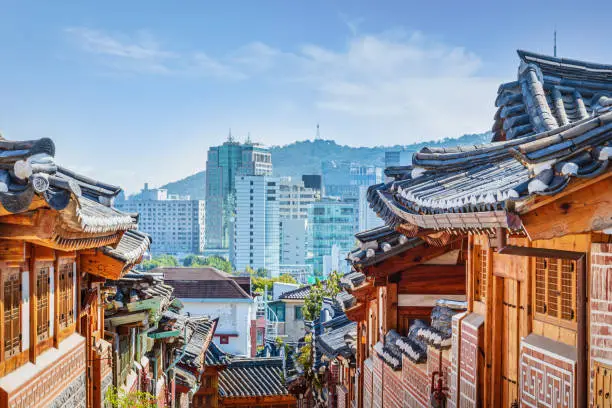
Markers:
point(135, 91)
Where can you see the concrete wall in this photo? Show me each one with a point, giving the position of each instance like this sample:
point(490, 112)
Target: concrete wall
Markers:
point(235, 316)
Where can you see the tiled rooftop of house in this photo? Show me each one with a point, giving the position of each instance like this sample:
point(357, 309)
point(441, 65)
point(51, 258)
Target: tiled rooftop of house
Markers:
point(252, 377)
point(205, 282)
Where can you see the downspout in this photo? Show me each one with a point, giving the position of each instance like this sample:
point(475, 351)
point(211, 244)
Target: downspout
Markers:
point(115, 337)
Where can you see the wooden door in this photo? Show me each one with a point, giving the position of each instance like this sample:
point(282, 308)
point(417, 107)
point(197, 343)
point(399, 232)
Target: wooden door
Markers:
point(602, 385)
point(510, 343)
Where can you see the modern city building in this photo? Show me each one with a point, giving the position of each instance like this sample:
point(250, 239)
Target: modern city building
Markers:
point(314, 182)
point(293, 239)
point(398, 158)
point(294, 199)
point(331, 222)
point(224, 163)
point(257, 224)
point(367, 217)
point(343, 178)
point(175, 223)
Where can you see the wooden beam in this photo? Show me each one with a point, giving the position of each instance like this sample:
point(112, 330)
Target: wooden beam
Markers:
point(42, 229)
point(540, 252)
point(584, 210)
point(433, 279)
point(102, 265)
point(407, 260)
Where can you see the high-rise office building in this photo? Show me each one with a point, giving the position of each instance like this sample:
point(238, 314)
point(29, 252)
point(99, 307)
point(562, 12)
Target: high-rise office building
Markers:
point(256, 227)
point(331, 222)
point(398, 158)
point(342, 178)
point(293, 233)
point(313, 181)
point(175, 223)
point(224, 163)
point(367, 217)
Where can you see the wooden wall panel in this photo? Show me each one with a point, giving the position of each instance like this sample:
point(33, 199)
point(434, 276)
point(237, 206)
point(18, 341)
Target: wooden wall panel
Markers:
point(433, 279)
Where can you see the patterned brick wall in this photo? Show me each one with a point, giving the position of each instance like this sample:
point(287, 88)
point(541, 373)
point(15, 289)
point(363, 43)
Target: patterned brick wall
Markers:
point(601, 307)
point(453, 386)
point(342, 395)
point(547, 373)
point(58, 385)
point(472, 330)
point(377, 382)
point(393, 388)
point(416, 384)
point(368, 375)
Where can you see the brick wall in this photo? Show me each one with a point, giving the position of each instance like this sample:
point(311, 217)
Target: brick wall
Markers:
point(416, 384)
point(453, 386)
point(547, 373)
point(367, 383)
point(472, 331)
point(377, 382)
point(342, 396)
point(601, 307)
point(393, 388)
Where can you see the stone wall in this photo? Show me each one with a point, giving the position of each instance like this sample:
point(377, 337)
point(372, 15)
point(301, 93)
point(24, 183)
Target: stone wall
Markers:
point(104, 386)
point(343, 395)
point(601, 310)
point(73, 396)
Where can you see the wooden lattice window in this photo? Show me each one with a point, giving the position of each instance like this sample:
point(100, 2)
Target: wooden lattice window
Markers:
point(481, 270)
point(11, 290)
point(555, 289)
point(66, 295)
point(43, 281)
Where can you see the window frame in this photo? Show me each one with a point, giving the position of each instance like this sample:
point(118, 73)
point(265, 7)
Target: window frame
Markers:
point(44, 337)
point(543, 282)
point(7, 272)
point(65, 292)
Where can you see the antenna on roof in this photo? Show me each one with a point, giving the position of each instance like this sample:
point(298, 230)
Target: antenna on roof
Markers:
point(248, 139)
point(318, 137)
point(555, 47)
point(229, 137)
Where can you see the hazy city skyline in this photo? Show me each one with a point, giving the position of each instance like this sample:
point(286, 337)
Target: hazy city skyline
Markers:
point(165, 83)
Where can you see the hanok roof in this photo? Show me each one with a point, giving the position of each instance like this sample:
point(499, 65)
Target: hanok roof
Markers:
point(33, 185)
point(380, 243)
point(554, 125)
point(296, 294)
point(252, 377)
point(205, 282)
point(215, 356)
point(338, 337)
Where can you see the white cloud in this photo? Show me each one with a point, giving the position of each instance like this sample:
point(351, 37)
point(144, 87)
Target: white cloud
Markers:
point(405, 85)
point(142, 53)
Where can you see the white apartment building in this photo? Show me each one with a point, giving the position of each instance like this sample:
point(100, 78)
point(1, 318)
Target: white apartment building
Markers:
point(293, 241)
point(256, 224)
point(294, 199)
point(176, 223)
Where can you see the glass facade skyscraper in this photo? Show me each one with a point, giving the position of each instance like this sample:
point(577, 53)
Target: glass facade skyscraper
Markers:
point(224, 163)
point(331, 222)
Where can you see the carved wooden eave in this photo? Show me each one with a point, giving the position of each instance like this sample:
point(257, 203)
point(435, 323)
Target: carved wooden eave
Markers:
point(363, 291)
point(584, 207)
point(356, 313)
point(100, 264)
point(410, 258)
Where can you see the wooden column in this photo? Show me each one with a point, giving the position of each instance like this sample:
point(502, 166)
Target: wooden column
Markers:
point(31, 264)
point(391, 306)
point(56, 289)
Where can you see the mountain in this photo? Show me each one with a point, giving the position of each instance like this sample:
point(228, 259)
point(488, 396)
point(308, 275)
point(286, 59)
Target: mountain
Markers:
point(305, 157)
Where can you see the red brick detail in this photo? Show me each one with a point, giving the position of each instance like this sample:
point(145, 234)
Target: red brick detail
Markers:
point(416, 384)
point(393, 390)
point(377, 382)
point(546, 379)
point(368, 377)
point(453, 386)
point(601, 307)
point(469, 358)
point(343, 396)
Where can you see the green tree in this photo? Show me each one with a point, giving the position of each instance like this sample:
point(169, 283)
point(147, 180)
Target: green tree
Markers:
point(118, 398)
point(220, 263)
point(158, 262)
point(260, 284)
point(193, 260)
point(313, 303)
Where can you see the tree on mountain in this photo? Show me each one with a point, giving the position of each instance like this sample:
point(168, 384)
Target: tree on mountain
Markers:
point(159, 262)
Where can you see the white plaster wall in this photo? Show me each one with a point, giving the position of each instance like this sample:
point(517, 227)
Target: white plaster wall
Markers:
point(234, 318)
